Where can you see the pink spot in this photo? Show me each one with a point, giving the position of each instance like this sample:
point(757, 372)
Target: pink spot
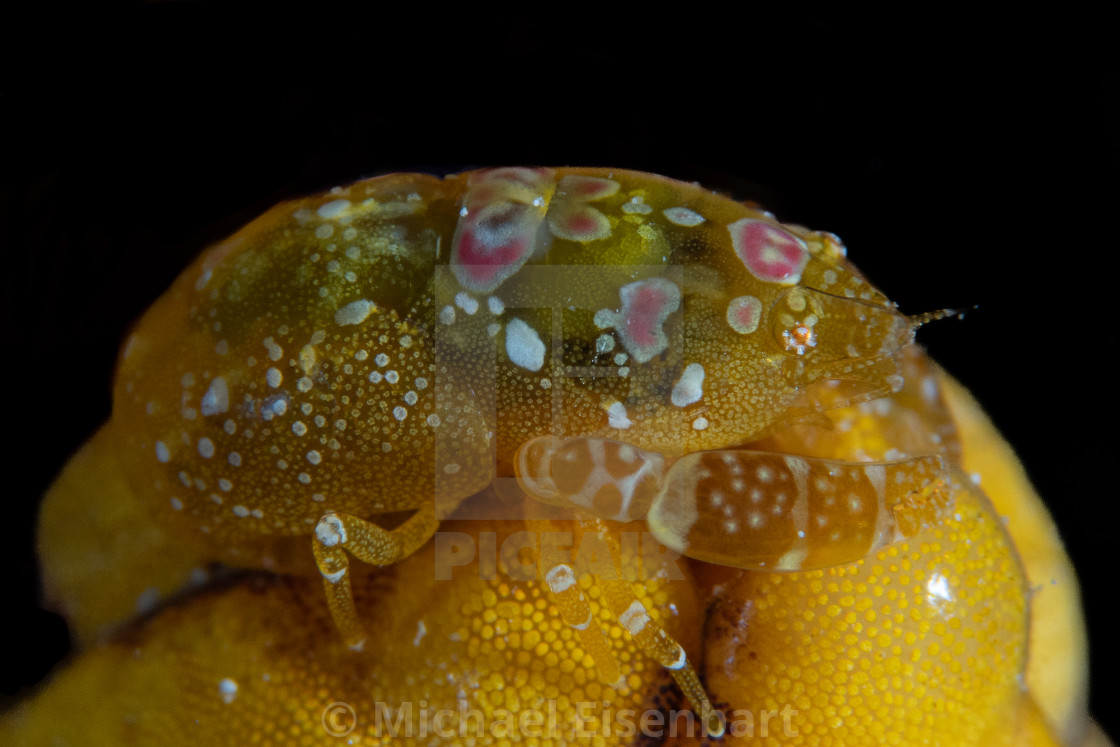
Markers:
point(771, 254)
point(531, 178)
point(581, 224)
point(497, 234)
point(482, 266)
point(646, 304)
point(588, 188)
point(643, 314)
point(571, 218)
point(744, 314)
point(478, 196)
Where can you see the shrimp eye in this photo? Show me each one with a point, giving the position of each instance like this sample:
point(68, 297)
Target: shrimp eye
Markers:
point(808, 322)
point(795, 316)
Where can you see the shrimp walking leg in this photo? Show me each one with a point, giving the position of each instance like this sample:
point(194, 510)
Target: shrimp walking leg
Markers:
point(338, 534)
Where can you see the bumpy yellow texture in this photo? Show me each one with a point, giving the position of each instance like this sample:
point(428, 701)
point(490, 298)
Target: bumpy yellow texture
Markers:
point(830, 643)
point(1057, 673)
point(925, 642)
point(460, 645)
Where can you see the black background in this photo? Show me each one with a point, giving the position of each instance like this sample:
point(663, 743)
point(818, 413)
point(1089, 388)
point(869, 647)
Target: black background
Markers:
point(964, 162)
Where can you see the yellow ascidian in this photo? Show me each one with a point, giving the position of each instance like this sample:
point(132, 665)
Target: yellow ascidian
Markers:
point(618, 458)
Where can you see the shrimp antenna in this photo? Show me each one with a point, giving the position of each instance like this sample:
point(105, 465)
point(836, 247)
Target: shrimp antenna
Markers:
point(919, 320)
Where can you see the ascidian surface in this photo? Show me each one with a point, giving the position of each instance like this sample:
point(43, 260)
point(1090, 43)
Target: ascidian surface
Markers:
point(633, 351)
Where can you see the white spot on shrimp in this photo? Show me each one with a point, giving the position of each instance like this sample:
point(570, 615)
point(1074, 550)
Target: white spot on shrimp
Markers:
point(274, 377)
point(176, 504)
point(228, 689)
point(354, 312)
point(275, 352)
point(162, 453)
point(234, 459)
point(496, 306)
point(700, 423)
point(400, 413)
point(524, 346)
point(392, 377)
point(636, 206)
point(333, 209)
point(682, 216)
point(466, 302)
point(216, 399)
point(447, 315)
point(314, 457)
point(324, 231)
point(617, 416)
point(205, 447)
point(240, 511)
point(690, 388)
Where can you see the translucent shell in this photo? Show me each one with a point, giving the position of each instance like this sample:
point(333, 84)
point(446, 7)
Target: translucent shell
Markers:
point(400, 338)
